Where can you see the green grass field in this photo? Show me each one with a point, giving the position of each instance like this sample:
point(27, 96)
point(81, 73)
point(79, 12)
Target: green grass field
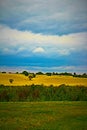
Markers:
point(43, 115)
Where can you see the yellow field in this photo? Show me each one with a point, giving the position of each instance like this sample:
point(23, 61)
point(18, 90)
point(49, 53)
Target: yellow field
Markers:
point(20, 79)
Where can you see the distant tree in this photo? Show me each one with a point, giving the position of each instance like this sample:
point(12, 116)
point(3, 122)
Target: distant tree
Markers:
point(10, 72)
point(39, 73)
point(34, 75)
point(11, 80)
point(74, 74)
point(53, 73)
point(48, 74)
point(84, 74)
point(25, 73)
point(3, 72)
point(31, 75)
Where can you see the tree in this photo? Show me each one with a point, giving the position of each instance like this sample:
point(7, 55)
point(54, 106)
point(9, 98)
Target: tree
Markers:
point(31, 75)
point(39, 73)
point(84, 75)
point(74, 74)
point(4, 72)
point(25, 73)
point(11, 80)
point(48, 74)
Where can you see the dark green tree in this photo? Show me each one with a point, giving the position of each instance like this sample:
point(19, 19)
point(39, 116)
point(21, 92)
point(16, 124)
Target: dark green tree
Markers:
point(11, 80)
point(39, 73)
point(48, 74)
point(31, 75)
point(25, 73)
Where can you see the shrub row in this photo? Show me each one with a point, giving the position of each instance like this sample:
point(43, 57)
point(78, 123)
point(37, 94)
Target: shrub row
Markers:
point(43, 93)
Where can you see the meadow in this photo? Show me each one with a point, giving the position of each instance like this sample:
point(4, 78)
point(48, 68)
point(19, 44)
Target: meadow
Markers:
point(55, 80)
point(43, 103)
point(43, 115)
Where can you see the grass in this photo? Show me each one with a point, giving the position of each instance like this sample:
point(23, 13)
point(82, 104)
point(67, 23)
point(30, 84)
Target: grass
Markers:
point(20, 79)
point(43, 115)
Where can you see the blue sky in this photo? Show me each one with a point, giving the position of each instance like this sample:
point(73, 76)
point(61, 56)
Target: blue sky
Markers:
point(43, 35)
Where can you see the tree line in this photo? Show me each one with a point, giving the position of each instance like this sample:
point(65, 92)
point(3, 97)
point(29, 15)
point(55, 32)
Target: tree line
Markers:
point(26, 73)
point(42, 93)
point(32, 75)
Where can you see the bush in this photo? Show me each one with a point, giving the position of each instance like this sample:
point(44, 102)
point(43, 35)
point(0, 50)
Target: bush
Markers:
point(11, 80)
point(4, 72)
point(40, 73)
point(48, 74)
point(43, 93)
point(31, 75)
point(25, 73)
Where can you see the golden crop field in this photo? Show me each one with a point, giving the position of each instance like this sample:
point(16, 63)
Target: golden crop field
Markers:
point(20, 79)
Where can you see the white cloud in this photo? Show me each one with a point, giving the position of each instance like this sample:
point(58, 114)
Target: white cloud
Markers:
point(63, 52)
point(21, 49)
point(8, 51)
point(38, 50)
point(16, 40)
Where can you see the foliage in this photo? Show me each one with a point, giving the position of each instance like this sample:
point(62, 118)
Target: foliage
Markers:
point(48, 74)
point(25, 73)
point(43, 93)
point(11, 80)
point(4, 72)
point(31, 75)
point(39, 73)
point(84, 75)
point(66, 74)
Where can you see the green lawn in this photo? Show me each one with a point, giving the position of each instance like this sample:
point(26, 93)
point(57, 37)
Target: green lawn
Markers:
point(43, 115)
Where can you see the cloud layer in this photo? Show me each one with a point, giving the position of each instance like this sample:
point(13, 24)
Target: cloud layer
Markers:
point(43, 34)
point(48, 16)
point(14, 41)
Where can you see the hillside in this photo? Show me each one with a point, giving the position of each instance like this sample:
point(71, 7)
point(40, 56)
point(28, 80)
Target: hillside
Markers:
point(20, 79)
